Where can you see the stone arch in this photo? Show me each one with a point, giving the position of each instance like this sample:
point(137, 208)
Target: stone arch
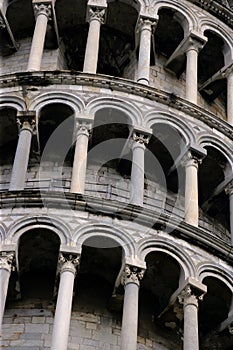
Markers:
point(29, 223)
point(186, 17)
point(209, 269)
point(15, 102)
point(215, 142)
point(74, 102)
point(95, 229)
point(2, 233)
point(210, 25)
point(147, 246)
point(163, 117)
point(131, 111)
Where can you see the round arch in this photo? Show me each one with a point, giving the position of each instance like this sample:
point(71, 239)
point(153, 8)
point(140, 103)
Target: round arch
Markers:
point(162, 117)
point(209, 25)
point(132, 112)
point(208, 269)
point(205, 140)
point(185, 17)
point(71, 100)
point(2, 233)
point(164, 246)
point(122, 238)
point(15, 102)
point(49, 223)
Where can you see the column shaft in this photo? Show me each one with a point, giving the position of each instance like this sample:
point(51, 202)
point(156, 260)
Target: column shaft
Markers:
point(230, 98)
point(231, 214)
point(191, 341)
point(92, 46)
point(130, 318)
point(5, 272)
point(20, 165)
point(144, 53)
point(37, 45)
point(191, 192)
point(131, 279)
point(63, 307)
point(80, 162)
point(191, 75)
point(137, 174)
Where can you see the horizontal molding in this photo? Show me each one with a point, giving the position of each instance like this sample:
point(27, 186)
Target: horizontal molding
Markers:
point(164, 222)
point(48, 78)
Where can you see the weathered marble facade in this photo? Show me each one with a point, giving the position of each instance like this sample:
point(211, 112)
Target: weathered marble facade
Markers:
point(116, 188)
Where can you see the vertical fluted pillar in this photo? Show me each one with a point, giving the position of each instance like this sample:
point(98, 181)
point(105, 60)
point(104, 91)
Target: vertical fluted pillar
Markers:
point(62, 316)
point(230, 97)
point(229, 191)
point(195, 44)
point(146, 27)
point(131, 280)
point(96, 18)
point(42, 14)
point(80, 157)
point(6, 259)
point(189, 297)
point(26, 122)
point(137, 171)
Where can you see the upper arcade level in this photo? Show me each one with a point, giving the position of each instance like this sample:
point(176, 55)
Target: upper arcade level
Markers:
point(184, 48)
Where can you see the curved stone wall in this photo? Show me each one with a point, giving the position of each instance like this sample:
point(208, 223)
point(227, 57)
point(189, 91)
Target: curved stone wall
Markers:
point(116, 173)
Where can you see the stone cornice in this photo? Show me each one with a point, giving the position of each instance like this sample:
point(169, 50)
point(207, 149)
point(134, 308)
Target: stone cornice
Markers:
point(145, 217)
point(47, 78)
point(216, 8)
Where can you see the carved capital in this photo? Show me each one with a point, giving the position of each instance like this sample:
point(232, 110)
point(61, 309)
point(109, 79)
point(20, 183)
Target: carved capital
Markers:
point(42, 9)
point(230, 328)
point(189, 296)
point(26, 120)
point(195, 42)
point(6, 261)
point(146, 24)
point(2, 22)
point(229, 188)
point(83, 127)
point(141, 138)
point(132, 274)
point(96, 13)
point(68, 262)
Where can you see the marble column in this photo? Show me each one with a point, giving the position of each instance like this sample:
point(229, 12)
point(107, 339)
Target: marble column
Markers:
point(96, 18)
point(229, 191)
point(137, 171)
point(68, 264)
point(42, 14)
point(131, 280)
point(189, 297)
point(6, 260)
point(146, 27)
point(80, 158)
point(191, 162)
point(195, 44)
point(230, 97)
point(26, 123)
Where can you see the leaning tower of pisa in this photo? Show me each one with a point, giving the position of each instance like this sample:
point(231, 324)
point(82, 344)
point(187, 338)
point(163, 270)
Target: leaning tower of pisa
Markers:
point(116, 187)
